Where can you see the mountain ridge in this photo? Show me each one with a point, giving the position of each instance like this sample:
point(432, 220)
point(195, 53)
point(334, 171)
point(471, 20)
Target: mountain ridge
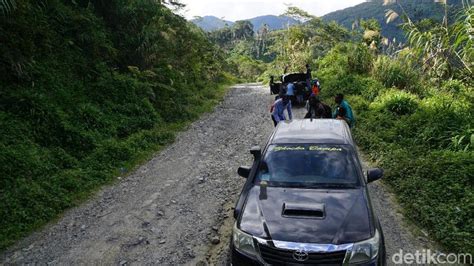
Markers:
point(274, 22)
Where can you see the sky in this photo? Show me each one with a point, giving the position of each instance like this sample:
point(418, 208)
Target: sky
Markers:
point(244, 9)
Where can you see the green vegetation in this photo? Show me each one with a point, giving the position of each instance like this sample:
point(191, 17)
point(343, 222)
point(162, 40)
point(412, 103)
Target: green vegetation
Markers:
point(413, 103)
point(420, 11)
point(88, 90)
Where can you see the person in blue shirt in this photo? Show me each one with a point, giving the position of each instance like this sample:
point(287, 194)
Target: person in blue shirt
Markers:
point(343, 110)
point(290, 91)
point(278, 109)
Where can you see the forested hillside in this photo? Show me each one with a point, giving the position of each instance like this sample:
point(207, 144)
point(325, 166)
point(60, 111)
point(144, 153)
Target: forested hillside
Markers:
point(212, 23)
point(413, 104)
point(417, 10)
point(89, 89)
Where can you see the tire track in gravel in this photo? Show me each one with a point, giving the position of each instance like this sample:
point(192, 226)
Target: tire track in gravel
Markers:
point(169, 210)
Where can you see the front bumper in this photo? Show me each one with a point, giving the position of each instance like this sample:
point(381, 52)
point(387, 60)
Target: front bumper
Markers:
point(238, 258)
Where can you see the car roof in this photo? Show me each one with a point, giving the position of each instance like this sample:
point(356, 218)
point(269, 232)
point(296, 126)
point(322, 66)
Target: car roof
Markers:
point(294, 77)
point(321, 131)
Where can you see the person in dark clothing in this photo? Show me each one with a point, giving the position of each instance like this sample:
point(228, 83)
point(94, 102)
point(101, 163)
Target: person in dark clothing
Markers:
point(274, 87)
point(308, 77)
point(317, 109)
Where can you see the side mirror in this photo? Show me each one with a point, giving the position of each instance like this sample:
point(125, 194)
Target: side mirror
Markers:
point(374, 174)
point(256, 152)
point(244, 171)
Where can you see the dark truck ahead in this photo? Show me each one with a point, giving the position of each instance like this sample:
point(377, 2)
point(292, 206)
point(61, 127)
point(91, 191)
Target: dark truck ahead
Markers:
point(306, 201)
point(302, 93)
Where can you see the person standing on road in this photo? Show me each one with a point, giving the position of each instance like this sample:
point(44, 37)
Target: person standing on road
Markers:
point(274, 87)
point(343, 110)
point(278, 110)
point(308, 77)
point(290, 91)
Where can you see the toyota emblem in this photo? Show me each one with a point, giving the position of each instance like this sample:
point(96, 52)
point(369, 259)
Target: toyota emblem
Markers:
point(300, 255)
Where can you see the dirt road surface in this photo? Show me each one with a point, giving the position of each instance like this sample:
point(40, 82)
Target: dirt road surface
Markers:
point(176, 208)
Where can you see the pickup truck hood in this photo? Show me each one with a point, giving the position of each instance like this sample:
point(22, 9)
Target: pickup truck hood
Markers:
point(322, 216)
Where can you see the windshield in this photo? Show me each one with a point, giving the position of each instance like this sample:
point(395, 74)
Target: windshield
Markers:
point(308, 165)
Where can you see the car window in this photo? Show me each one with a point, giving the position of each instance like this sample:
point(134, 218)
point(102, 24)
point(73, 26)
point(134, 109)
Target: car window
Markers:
point(308, 165)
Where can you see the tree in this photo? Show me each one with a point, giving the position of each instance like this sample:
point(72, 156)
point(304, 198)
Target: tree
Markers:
point(299, 14)
point(262, 35)
point(242, 29)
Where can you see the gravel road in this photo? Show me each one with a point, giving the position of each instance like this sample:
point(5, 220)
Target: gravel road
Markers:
point(176, 208)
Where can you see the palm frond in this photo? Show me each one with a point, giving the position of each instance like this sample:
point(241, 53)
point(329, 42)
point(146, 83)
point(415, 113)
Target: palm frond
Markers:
point(389, 2)
point(7, 6)
point(391, 15)
point(444, 2)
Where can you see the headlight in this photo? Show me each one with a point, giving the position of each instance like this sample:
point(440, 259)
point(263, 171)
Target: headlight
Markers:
point(366, 250)
point(243, 241)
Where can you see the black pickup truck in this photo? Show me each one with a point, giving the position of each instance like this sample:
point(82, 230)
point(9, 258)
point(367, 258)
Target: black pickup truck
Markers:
point(306, 201)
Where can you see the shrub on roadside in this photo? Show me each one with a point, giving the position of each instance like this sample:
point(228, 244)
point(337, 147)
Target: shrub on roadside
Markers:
point(435, 187)
point(396, 101)
point(360, 59)
point(395, 72)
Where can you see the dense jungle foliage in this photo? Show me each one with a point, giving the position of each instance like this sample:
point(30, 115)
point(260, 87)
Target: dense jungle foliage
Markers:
point(413, 103)
point(88, 90)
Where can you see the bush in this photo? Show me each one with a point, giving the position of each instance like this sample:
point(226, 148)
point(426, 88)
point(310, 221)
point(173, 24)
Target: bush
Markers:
point(360, 59)
point(337, 72)
point(436, 189)
point(396, 102)
point(453, 86)
point(394, 72)
point(372, 88)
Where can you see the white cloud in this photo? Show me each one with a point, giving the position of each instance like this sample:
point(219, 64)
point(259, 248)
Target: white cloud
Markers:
point(244, 9)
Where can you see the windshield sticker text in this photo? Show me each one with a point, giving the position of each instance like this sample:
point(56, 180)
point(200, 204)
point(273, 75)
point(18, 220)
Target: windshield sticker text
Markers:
point(319, 148)
point(289, 148)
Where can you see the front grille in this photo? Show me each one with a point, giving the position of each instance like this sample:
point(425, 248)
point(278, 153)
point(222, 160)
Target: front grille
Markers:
point(276, 256)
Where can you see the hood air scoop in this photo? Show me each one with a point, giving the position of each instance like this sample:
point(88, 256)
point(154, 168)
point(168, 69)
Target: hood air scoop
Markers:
point(302, 210)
